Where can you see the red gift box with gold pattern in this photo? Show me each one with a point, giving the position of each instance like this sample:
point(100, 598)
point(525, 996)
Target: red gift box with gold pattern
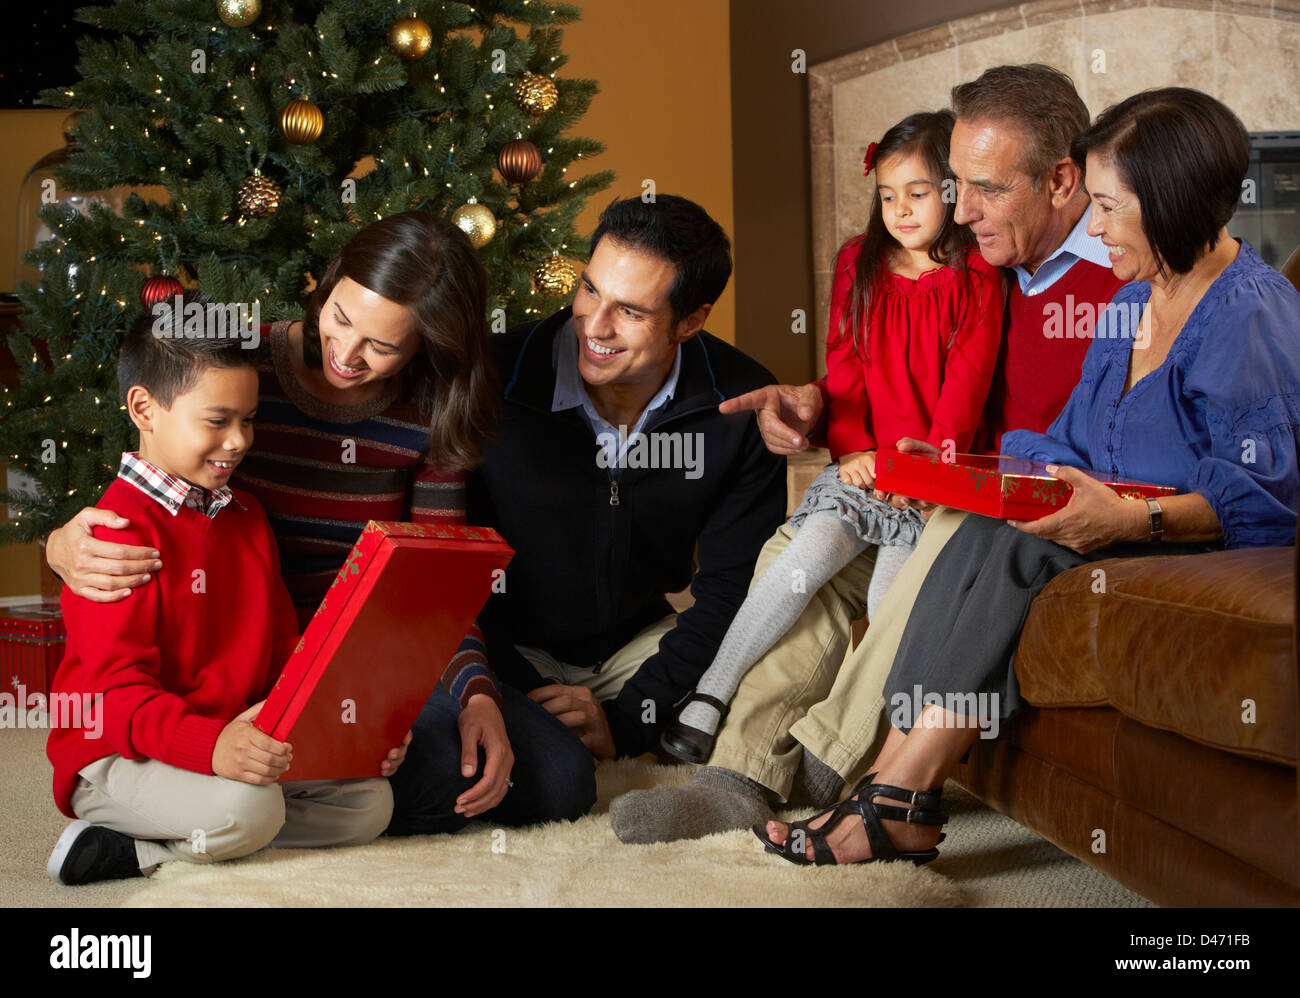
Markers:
point(1009, 488)
point(378, 644)
point(31, 647)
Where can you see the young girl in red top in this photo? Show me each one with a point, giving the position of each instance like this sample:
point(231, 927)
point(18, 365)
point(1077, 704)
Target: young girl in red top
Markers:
point(916, 323)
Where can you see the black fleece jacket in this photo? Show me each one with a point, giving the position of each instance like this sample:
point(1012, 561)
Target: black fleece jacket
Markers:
point(597, 547)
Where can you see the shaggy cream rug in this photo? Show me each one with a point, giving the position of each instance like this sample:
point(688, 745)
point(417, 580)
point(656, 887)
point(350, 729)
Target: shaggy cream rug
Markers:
point(988, 860)
point(581, 864)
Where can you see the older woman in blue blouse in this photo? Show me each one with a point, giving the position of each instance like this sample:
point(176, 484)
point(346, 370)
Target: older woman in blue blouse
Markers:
point(1193, 381)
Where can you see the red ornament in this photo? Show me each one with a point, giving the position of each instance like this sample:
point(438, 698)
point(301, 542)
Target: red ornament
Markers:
point(869, 158)
point(162, 287)
point(519, 161)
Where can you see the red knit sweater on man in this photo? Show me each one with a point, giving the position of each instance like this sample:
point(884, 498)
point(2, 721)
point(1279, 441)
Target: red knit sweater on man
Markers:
point(179, 658)
point(1047, 335)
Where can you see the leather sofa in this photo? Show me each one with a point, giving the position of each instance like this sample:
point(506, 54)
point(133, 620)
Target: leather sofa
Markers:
point(1161, 747)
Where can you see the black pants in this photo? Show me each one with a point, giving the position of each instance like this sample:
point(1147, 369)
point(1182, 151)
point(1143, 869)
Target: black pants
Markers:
point(554, 775)
point(961, 638)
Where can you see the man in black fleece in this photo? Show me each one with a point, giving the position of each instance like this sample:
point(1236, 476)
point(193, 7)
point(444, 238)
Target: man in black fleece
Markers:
point(613, 473)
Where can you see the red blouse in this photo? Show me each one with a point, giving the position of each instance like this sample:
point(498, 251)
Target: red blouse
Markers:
point(927, 358)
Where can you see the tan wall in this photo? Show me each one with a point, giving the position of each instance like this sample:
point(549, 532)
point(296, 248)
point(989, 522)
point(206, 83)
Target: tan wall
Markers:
point(25, 136)
point(664, 107)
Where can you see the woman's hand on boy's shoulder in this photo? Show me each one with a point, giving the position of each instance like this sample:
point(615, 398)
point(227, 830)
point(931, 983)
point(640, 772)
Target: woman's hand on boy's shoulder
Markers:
point(101, 571)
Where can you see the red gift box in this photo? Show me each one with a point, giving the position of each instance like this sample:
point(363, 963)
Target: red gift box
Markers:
point(31, 647)
point(378, 644)
point(1009, 488)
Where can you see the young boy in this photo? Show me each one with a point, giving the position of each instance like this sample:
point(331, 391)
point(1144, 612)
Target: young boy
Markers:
point(173, 768)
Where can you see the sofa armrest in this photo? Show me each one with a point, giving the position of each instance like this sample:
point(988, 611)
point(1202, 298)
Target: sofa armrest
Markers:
point(1203, 645)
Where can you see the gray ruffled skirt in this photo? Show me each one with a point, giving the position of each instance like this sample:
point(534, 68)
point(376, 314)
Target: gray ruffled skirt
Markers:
point(874, 521)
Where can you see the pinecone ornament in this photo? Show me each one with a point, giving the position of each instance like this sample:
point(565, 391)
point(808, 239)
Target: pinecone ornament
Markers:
point(259, 196)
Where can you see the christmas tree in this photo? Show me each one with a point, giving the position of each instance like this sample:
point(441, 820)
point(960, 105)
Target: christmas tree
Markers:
point(277, 130)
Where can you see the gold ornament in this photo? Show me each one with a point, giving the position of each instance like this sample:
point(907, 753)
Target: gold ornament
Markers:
point(409, 38)
point(239, 13)
point(476, 221)
point(301, 122)
point(259, 196)
point(536, 94)
point(556, 277)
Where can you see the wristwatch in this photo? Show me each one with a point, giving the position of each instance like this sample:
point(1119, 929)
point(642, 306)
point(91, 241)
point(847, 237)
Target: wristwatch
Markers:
point(1157, 519)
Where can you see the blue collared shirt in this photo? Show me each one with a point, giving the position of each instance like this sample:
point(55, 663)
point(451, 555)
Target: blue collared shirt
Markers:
point(1220, 416)
point(1078, 245)
point(571, 392)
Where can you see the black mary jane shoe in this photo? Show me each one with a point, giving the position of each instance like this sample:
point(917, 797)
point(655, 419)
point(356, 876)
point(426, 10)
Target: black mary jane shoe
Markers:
point(687, 743)
point(926, 807)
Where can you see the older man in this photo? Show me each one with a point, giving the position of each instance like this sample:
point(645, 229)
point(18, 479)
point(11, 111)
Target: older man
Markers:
point(802, 711)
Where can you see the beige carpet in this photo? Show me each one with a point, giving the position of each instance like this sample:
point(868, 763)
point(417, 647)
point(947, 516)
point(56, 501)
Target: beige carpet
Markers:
point(987, 860)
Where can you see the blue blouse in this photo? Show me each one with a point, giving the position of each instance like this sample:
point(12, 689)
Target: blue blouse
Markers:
point(1218, 417)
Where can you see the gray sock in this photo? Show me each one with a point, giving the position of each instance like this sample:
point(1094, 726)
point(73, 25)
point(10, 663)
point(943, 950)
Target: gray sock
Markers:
point(821, 783)
point(713, 800)
point(824, 544)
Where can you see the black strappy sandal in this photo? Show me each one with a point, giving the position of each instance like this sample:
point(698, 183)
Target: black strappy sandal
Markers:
point(926, 808)
point(687, 743)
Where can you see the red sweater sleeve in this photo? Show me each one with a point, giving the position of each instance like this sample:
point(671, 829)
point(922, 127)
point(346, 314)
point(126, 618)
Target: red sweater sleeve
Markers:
point(142, 720)
point(848, 427)
point(971, 360)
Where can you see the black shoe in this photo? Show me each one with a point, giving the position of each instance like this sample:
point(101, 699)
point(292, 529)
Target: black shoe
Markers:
point(87, 853)
point(687, 743)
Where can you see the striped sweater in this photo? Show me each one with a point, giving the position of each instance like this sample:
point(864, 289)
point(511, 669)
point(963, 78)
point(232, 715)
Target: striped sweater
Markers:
point(321, 471)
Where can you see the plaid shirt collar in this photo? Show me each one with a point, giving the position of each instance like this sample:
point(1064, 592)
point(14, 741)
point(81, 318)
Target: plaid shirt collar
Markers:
point(170, 491)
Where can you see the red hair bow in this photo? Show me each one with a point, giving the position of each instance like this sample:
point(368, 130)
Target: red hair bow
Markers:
point(867, 159)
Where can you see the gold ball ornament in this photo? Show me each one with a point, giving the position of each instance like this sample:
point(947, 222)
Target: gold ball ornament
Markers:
point(239, 13)
point(301, 122)
point(536, 94)
point(409, 38)
point(556, 277)
point(476, 221)
point(519, 161)
point(258, 196)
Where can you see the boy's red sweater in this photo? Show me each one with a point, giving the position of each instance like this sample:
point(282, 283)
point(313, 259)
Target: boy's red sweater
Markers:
point(171, 665)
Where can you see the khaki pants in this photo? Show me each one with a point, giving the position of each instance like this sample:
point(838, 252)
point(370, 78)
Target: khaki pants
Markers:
point(174, 813)
point(804, 694)
point(614, 671)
